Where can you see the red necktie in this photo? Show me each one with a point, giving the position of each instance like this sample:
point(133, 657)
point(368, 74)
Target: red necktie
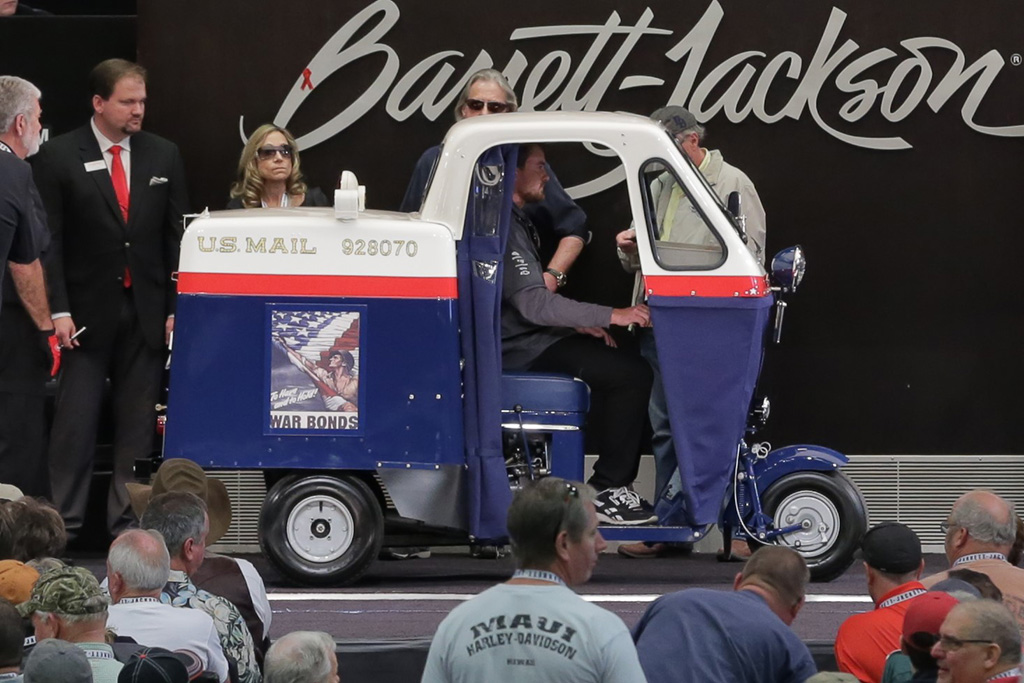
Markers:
point(120, 181)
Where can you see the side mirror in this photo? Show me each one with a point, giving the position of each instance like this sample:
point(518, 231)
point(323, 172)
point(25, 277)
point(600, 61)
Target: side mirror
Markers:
point(788, 268)
point(735, 207)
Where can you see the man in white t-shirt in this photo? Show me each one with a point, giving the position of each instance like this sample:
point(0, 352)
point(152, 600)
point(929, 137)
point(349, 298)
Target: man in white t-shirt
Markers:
point(138, 567)
point(533, 627)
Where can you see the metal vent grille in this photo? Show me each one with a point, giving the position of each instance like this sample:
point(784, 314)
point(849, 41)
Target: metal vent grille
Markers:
point(247, 490)
point(919, 490)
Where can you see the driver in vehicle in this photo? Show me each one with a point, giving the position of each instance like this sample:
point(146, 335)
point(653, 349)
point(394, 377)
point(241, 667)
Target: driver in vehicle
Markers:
point(546, 332)
point(680, 223)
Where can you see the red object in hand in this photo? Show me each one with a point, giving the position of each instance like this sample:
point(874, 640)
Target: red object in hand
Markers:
point(51, 347)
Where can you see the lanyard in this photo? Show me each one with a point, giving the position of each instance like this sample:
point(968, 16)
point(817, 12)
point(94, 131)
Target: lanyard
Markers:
point(538, 574)
point(897, 599)
point(979, 556)
point(98, 654)
point(5, 148)
point(1012, 673)
point(129, 601)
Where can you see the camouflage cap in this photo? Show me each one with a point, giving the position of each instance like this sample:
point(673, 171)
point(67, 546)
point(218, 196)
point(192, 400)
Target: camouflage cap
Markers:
point(71, 591)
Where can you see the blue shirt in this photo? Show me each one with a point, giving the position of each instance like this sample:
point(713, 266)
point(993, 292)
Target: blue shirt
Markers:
point(720, 636)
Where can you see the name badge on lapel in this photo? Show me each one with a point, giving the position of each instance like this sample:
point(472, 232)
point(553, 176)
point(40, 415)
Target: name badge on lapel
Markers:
point(92, 166)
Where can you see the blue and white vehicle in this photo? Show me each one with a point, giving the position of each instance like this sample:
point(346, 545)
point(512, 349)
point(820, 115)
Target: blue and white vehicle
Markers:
point(354, 357)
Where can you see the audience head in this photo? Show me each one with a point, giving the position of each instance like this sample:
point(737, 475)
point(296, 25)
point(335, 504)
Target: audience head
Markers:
point(980, 521)
point(16, 581)
point(20, 124)
point(12, 637)
point(921, 626)
point(138, 564)
point(778, 574)
point(1017, 549)
point(486, 92)
point(182, 520)
point(531, 174)
point(271, 155)
point(979, 581)
point(552, 525)
point(158, 665)
point(892, 557)
point(181, 474)
point(118, 97)
point(65, 603)
point(301, 657)
point(57, 661)
point(38, 529)
point(977, 640)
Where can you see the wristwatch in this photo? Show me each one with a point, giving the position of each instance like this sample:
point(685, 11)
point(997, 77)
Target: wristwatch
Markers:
point(559, 276)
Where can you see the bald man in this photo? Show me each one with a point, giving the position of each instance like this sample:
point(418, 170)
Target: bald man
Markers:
point(980, 530)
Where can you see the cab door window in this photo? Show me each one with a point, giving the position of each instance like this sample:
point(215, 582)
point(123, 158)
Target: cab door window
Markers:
point(683, 238)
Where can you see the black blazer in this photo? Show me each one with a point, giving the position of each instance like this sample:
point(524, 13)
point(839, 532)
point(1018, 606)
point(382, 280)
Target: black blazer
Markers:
point(91, 244)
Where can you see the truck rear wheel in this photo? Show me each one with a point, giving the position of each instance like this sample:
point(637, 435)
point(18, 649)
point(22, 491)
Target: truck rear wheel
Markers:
point(321, 530)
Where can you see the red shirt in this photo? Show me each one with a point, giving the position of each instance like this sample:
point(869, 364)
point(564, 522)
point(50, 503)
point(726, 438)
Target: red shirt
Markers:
point(865, 640)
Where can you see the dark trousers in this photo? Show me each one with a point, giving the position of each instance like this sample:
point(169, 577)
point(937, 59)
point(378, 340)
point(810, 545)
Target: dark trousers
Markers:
point(622, 381)
point(135, 370)
point(23, 375)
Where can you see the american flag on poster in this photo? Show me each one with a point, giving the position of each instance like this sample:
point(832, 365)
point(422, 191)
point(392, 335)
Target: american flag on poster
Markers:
point(314, 374)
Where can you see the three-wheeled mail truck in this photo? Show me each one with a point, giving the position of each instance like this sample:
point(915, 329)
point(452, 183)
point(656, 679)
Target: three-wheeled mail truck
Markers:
point(354, 357)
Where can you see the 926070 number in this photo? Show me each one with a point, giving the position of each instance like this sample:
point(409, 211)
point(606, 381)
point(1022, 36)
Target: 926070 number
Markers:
point(350, 247)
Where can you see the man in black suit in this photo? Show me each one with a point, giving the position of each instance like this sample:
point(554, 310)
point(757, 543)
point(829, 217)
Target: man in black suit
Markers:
point(26, 357)
point(114, 196)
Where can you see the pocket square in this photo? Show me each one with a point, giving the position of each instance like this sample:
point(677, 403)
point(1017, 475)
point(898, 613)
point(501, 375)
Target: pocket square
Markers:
point(157, 180)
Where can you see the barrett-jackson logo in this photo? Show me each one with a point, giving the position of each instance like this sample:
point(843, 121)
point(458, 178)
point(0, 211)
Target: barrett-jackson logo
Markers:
point(739, 86)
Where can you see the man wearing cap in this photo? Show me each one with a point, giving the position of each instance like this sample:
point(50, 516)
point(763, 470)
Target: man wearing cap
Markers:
point(978, 642)
point(138, 567)
point(69, 604)
point(233, 579)
point(182, 519)
point(980, 531)
point(151, 664)
point(681, 223)
point(12, 642)
point(57, 660)
point(893, 562)
point(920, 632)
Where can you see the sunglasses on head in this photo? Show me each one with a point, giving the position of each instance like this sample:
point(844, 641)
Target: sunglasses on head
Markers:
point(265, 153)
point(492, 107)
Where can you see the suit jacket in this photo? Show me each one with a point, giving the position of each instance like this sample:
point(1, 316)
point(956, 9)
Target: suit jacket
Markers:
point(91, 244)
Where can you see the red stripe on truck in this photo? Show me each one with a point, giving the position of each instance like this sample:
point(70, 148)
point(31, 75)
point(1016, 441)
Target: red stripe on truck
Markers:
point(319, 285)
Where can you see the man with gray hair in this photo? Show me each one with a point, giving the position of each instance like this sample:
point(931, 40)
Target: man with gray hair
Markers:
point(533, 627)
point(29, 351)
point(980, 531)
point(138, 568)
point(743, 635)
point(679, 223)
point(302, 657)
point(182, 520)
point(979, 641)
point(69, 604)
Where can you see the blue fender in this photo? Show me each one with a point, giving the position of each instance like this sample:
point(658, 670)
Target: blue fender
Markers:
point(797, 458)
point(778, 463)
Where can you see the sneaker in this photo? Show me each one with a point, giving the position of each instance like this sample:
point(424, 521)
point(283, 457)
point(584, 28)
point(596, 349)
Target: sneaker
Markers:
point(622, 507)
point(404, 553)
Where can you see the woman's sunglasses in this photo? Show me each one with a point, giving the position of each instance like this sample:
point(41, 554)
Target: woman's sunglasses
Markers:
point(265, 153)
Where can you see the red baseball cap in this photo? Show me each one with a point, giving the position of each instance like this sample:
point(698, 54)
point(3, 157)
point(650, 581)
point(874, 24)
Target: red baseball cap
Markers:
point(924, 616)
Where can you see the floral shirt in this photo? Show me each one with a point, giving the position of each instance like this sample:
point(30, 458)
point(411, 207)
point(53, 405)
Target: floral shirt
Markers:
point(234, 634)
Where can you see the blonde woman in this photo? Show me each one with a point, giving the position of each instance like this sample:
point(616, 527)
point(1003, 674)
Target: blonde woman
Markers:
point(269, 175)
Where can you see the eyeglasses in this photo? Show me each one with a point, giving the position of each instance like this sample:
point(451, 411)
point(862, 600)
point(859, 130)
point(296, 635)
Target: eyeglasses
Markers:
point(944, 527)
point(951, 643)
point(265, 153)
point(570, 492)
point(492, 106)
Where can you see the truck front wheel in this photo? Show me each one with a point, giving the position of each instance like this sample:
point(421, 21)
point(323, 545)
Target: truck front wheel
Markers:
point(321, 530)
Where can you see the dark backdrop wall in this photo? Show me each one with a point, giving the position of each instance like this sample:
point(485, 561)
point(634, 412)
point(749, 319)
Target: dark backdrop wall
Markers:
point(886, 138)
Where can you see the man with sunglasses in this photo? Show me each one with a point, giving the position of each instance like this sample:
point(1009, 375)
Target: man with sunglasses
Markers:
point(114, 196)
point(979, 533)
point(978, 642)
point(561, 223)
point(533, 627)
